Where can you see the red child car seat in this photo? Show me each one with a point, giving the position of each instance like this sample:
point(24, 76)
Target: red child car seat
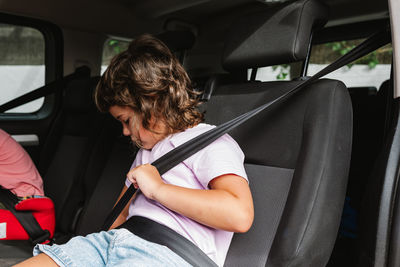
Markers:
point(31, 219)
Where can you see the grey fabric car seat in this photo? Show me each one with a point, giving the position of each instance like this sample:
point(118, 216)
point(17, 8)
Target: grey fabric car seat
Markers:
point(304, 143)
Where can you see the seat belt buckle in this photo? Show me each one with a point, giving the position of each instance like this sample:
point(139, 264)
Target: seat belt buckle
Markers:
point(45, 236)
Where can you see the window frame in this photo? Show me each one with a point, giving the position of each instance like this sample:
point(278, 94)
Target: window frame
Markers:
point(53, 61)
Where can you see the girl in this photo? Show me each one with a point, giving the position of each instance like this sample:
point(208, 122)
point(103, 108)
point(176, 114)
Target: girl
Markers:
point(205, 198)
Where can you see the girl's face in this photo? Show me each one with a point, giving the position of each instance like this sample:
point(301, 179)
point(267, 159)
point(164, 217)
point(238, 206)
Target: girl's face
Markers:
point(132, 126)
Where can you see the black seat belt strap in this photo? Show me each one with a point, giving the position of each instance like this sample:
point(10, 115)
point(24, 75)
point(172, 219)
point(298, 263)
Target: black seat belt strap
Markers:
point(180, 153)
point(162, 235)
point(25, 218)
point(47, 89)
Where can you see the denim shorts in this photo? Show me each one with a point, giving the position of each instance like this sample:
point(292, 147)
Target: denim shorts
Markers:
point(117, 247)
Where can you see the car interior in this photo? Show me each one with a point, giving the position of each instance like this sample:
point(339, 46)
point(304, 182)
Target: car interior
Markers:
point(322, 164)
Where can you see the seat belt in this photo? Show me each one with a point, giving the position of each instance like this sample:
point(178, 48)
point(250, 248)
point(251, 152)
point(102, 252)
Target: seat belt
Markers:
point(26, 219)
point(180, 153)
point(47, 89)
point(163, 235)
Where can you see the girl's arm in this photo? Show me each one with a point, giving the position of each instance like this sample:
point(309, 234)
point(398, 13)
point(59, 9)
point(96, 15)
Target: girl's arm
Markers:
point(124, 214)
point(227, 206)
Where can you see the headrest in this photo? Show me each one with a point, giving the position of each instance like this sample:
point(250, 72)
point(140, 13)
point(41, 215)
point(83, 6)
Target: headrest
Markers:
point(78, 95)
point(177, 40)
point(276, 36)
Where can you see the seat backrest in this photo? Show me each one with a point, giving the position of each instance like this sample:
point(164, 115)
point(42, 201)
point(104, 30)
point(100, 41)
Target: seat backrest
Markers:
point(89, 163)
point(105, 178)
point(68, 145)
point(304, 142)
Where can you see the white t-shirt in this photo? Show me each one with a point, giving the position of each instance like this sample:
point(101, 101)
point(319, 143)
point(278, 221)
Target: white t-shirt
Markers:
point(223, 156)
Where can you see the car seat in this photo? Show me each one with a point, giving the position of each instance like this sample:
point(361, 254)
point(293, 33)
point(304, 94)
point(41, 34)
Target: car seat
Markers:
point(297, 153)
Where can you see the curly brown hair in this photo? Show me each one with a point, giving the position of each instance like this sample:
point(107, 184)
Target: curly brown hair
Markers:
point(148, 78)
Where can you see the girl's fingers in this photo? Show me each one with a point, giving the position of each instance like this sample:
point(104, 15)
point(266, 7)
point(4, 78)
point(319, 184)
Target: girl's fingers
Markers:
point(131, 177)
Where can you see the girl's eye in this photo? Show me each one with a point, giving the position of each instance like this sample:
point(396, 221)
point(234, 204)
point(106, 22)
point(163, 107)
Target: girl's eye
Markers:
point(126, 121)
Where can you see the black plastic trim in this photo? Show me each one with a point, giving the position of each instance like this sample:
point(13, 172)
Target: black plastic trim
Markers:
point(388, 200)
point(393, 257)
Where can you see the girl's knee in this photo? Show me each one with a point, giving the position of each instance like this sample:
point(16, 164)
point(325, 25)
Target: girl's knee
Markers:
point(39, 260)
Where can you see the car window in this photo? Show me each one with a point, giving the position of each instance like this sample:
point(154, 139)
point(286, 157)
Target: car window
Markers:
point(272, 73)
point(111, 48)
point(371, 70)
point(22, 64)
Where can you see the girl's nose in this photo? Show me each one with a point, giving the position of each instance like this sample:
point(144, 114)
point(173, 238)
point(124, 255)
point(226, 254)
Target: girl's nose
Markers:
point(125, 131)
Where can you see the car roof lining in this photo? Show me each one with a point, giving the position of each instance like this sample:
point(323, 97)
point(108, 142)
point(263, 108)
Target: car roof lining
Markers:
point(126, 18)
point(350, 31)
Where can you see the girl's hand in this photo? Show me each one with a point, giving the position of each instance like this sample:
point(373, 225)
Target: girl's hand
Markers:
point(147, 178)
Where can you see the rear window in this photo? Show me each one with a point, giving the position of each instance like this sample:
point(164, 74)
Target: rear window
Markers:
point(272, 73)
point(111, 48)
